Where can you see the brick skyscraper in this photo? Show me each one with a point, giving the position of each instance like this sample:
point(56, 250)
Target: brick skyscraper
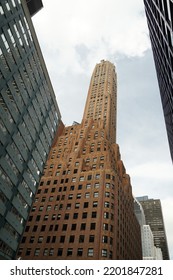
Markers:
point(84, 205)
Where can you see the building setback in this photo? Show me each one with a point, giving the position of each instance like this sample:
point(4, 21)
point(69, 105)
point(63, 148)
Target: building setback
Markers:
point(160, 23)
point(29, 117)
point(84, 205)
point(154, 218)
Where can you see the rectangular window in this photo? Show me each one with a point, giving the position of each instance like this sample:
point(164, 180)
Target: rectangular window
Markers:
point(69, 252)
point(90, 252)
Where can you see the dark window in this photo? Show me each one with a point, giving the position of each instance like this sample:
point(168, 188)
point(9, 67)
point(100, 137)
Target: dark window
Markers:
point(62, 239)
point(48, 239)
point(81, 238)
point(79, 252)
point(35, 228)
point(91, 238)
point(43, 228)
point(84, 215)
point(48, 183)
point(73, 227)
point(23, 239)
point(69, 252)
point(75, 215)
point(66, 217)
point(60, 251)
point(92, 225)
point(53, 239)
point(64, 227)
point(94, 214)
point(28, 251)
point(55, 182)
point(85, 204)
point(89, 177)
point(71, 238)
point(83, 226)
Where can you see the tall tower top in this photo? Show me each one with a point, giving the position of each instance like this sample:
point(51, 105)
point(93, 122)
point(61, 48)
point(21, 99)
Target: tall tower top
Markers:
point(101, 103)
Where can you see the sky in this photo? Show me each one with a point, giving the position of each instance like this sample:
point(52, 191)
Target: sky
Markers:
point(74, 35)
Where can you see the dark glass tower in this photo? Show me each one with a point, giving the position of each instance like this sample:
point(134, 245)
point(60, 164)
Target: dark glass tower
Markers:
point(160, 22)
point(154, 218)
point(29, 117)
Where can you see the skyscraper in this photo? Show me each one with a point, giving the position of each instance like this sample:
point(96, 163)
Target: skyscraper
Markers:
point(149, 251)
point(29, 118)
point(154, 218)
point(84, 205)
point(160, 22)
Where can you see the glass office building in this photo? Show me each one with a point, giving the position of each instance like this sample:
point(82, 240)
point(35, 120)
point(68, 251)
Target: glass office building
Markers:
point(29, 118)
point(160, 23)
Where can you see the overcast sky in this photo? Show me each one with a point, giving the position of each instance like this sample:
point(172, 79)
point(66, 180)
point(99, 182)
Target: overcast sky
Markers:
point(75, 35)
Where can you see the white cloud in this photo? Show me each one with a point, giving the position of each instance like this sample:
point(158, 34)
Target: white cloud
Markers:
point(105, 27)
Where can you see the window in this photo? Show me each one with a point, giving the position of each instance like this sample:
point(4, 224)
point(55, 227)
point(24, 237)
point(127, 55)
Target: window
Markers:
point(62, 239)
point(92, 226)
point(108, 176)
point(79, 187)
point(96, 194)
point(46, 217)
point(79, 251)
point(106, 215)
point(105, 226)
point(35, 228)
point(97, 176)
point(96, 185)
point(88, 186)
point(95, 203)
point(43, 199)
point(66, 217)
point(69, 252)
point(53, 217)
point(105, 239)
point(94, 214)
point(46, 190)
point(81, 178)
point(85, 204)
point(70, 196)
point(43, 227)
point(28, 251)
point(87, 195)
point(74, 179)
point(104, 253)
point(73, 227)
point(40, 239)
point(89, 177)
point(81, 238)
point(45, 253)
point(84, 215)
point(106, 204)
point(91, 238)
point(77, 205)
point(48, 208)
point(75, 215)
point(60, 251)
point(71, 239)
point(51, 252)
point(107, 194)
point(51, 198)
point(90, 252)
point(83, 226)
point(31, 239)
point(68, 206)
point(48, 239)
point(64, 227)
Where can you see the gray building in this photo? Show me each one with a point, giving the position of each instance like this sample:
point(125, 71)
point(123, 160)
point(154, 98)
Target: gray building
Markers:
point(29, 118)
point(154, 218)
point(160, 23)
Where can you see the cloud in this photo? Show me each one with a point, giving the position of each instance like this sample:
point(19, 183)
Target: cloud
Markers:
point(101, 26)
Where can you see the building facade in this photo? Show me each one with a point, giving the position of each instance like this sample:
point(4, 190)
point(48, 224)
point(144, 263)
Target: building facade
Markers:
point(84, 205)
point(160, 23)
point(154, 218)
point(149, 251)
point(29, 117)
